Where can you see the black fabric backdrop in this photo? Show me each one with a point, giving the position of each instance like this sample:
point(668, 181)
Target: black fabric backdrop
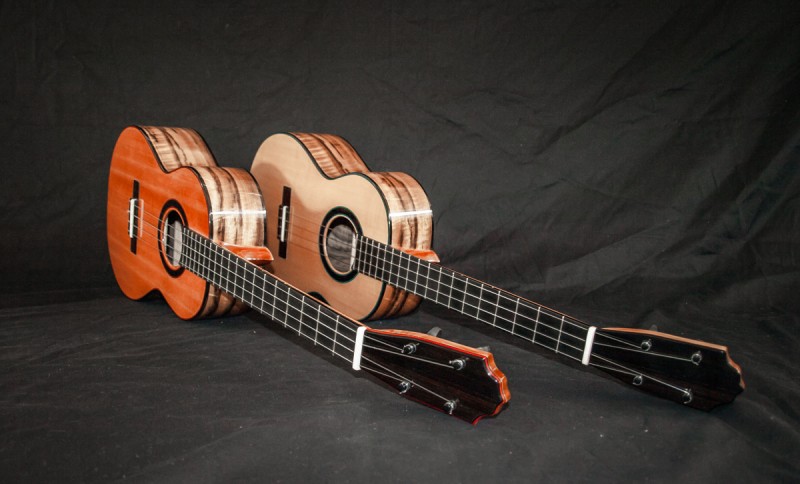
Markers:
point(632, 163)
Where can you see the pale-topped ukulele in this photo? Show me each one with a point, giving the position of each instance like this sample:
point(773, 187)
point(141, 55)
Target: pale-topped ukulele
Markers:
point(339, 229)
point(181, 225)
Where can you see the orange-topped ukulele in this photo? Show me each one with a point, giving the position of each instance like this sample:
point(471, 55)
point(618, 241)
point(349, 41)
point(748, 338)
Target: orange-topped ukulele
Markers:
point(193, 231)
point(338, 229)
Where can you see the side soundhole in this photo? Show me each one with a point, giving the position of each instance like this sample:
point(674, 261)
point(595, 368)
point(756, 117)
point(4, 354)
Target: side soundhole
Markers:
point(338, 237)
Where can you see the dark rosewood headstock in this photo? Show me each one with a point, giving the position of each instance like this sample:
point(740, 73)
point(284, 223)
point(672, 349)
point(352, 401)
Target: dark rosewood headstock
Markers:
point(695, 373)
point(455, 379)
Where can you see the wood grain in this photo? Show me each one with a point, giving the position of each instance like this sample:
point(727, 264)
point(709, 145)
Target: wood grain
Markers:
point(325, 173)
point(224, 204)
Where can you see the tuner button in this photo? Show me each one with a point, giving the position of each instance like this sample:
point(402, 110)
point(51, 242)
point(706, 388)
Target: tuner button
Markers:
point(404, 386)
point(449, 406)
point(485, 348)
point(458, 363)
point(435, 331)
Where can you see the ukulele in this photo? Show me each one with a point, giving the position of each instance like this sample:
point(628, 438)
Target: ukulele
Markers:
point(183, 226)
point(340, 229)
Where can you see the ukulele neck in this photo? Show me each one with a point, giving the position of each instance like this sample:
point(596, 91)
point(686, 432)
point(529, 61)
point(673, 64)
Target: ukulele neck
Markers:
point(267, 295)
point(542, 326)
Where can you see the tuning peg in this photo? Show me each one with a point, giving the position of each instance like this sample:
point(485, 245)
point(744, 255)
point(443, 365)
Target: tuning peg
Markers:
point(485, 348)
point(435, 331)
point(654, 327)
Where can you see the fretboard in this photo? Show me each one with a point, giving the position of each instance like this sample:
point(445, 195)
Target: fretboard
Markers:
point(501, 309)
point(268, 295)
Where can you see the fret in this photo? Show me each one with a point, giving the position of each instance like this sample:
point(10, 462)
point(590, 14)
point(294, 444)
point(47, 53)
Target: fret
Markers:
point(560, 331)
point(547, 329)
point(267, 295)
point(573, 338)
point(405, 272)
point(262, 289)
point(394, 264)
point(325, 333)
point(506, 312)
point(411, 261)
point(335, 333)
point(295, 313)
point(449, 288)
point(238, 277)
point(372, 260)
point(359, 262)
point(274, 305)
point(281, 306)
point(316, 329)
point(435, 285)
point(526, 317)
point(217, 264)
point(489, 305)
point(472, 298)
point(200, 249)
point(248, 286)
point(458, 294)
point(375, 259)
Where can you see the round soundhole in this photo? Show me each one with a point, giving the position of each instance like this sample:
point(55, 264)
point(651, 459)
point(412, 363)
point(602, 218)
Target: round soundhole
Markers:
point(338, 237)
point(170, 239)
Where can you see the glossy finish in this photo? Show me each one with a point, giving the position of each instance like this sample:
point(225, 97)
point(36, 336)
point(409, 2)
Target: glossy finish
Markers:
point(198, 233)
point(386, 258)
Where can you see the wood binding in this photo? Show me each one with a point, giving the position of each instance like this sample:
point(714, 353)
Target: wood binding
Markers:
point(376, 196)
point(194, 232)
point(388, 258)
point(233, 220)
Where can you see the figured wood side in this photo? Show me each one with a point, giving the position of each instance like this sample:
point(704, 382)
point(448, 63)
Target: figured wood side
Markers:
point(223, 204)
point(324, 175)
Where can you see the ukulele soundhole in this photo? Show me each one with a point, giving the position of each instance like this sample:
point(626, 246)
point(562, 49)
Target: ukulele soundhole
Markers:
point(337, 240)
point(171, 238)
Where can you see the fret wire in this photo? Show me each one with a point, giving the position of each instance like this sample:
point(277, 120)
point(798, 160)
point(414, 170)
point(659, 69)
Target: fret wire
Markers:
point(277, 284)
point(289, 293)
point(504, 294)
point(427, 278)
point(546, 337)
point(497, 308)
point(514, 321)
point(418, 261)
point(316, 330)
point(472, 306)
point(245, 265)
point(560, 332)
point(480, 300)
point(501, 294)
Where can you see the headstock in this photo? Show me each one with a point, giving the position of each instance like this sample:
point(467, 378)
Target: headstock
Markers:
point(455, 379)
point(695, 373)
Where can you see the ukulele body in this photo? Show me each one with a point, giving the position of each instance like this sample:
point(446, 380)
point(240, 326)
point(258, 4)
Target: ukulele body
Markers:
point(329, 195)
point(158, 175)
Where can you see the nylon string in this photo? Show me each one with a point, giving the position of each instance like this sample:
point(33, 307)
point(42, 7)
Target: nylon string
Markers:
point(310, 244)
point(386, 371)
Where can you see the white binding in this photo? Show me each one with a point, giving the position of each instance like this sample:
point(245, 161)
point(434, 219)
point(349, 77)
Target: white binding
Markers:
point(410, 213)
point(359, 345)
point(587, 350)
